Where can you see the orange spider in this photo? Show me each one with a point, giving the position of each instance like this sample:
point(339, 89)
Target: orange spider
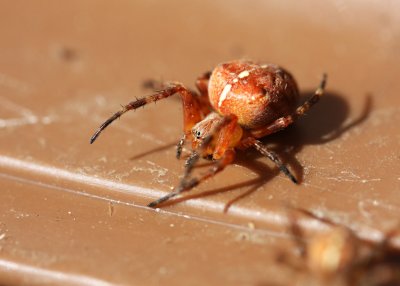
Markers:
point(239, 102)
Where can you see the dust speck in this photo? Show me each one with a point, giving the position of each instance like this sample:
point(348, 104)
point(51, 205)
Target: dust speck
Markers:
point(243, 236)
point(251, 225)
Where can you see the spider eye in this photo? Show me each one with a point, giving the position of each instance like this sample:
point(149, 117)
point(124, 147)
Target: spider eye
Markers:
point(197, 134)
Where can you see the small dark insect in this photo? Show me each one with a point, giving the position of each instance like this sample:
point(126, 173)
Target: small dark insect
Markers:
point(238, 103)
point(340, 257)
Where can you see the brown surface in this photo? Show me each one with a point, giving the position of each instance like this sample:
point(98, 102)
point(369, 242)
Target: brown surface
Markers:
point(74, 212)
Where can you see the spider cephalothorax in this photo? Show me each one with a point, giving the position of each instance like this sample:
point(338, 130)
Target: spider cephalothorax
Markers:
point(238, 103)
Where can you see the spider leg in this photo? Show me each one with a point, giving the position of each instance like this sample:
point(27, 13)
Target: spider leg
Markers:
point(191, 111)
point(187, 185)
point(179, 146)
point(285, 121)
point(274, 158)
point(225, 130)
point(202, 86)
point(204, 103)
point(195, 155)
point(222, 153)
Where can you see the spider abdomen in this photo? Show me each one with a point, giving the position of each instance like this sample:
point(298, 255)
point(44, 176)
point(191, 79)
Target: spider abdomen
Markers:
point(257, 94)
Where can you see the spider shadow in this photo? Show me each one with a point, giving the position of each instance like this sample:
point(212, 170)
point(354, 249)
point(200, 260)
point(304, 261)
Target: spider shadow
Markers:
point(248, 162)
point(154, 150)
point(325, 122)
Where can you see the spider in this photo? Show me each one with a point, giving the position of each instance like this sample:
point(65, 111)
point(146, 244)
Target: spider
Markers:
point(238, 103)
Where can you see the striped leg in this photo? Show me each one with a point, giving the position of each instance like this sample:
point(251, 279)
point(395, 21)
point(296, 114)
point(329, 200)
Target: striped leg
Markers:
point(274, 158)
point(191, 110)
point(187, 185)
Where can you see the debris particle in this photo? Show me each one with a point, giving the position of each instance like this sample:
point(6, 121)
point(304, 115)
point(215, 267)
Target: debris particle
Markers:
point(68, 54)
point(251, 225)
point(243, 236)
point(110, 208)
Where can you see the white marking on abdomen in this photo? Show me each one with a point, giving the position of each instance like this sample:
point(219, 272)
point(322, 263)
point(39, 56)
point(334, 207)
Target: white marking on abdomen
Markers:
point(224, 93)
point(244, 74)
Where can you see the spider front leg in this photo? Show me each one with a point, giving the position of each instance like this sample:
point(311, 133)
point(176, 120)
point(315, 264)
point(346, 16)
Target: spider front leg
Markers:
point(285, 121)
point(225, 129)
point(204, 104)
point(191, 110)
point(191, 115)
point(187, 185)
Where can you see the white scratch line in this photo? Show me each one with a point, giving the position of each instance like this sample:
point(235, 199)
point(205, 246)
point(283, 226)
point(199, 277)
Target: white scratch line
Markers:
point(27, 116)
point(53, 276)
point(158, 210)
point(6, 161)
point(250, 213)
point(343, 179)
point(265, 216)
point(224, 93)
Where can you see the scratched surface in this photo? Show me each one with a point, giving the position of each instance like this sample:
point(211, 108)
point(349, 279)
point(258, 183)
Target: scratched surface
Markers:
point(70, 211)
